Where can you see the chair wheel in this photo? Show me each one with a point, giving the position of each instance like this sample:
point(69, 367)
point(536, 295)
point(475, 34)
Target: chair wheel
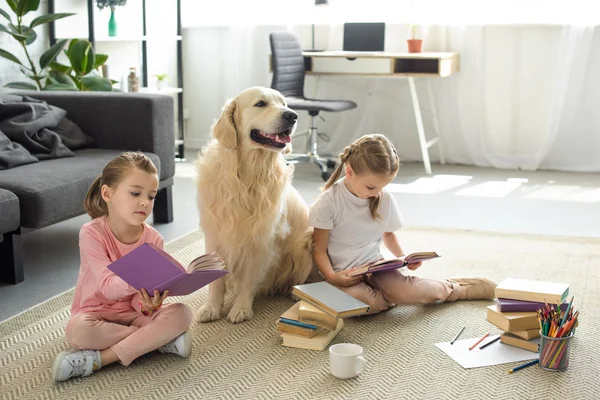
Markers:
point(326, 175)
point(331, 164)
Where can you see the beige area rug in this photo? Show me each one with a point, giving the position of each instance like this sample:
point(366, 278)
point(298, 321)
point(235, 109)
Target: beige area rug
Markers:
point(247, 361)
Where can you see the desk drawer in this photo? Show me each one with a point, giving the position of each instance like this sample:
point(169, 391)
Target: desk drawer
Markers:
point(342, 65)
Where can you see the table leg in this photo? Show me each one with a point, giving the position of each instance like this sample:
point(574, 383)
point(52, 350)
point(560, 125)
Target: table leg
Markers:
point(436, 126)
point(420, 129)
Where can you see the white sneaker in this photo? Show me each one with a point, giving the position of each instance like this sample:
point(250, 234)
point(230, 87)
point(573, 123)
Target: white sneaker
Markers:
point(75, 363)
point(181, 345)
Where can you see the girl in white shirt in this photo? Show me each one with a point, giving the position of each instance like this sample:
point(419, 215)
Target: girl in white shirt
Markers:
point(351, 219)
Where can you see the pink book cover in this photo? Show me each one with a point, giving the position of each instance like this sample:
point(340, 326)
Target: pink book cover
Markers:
point(151, 268)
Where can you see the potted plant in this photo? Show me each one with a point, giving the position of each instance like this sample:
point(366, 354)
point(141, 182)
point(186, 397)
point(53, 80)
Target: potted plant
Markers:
point(112, 23)
point(47, 73)
point(161, 81)
point(414, 45)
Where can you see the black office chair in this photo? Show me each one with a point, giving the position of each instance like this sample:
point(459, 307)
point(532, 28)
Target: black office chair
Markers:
point(288, 78)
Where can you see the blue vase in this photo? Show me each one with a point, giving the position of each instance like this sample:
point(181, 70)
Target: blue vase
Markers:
point(112, 23)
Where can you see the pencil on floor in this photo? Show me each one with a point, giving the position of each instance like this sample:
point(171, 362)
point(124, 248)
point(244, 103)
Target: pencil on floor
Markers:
point(483, 346)
point(479, 341)
point(457, 335)
point(529, 364)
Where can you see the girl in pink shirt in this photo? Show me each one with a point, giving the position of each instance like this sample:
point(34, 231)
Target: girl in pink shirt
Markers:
point(110, 320)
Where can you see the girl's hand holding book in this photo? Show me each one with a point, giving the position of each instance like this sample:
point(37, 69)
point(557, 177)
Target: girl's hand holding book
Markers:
point(150, 304)
point(414, 266)
point(342, 279)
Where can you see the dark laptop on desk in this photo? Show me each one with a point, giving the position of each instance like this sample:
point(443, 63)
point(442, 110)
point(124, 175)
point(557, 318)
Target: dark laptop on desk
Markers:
point(364, 36)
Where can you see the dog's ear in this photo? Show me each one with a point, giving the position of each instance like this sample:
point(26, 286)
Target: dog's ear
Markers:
point(224, 130)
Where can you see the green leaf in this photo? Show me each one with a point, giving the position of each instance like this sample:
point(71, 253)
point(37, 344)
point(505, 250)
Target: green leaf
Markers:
point(9, 56)
point(97, 84)
point(59, 77)
point(51, 54)
point(24, 6)
point(58, 67)
point(36, 77)
point(29, 34)
point(44, 19)
point(12, 4)
point(5, 14)
point(21, 85)
point(91, 59)
point(78, 55)
point(100, 60)
point(60, 87)
point(16, 35)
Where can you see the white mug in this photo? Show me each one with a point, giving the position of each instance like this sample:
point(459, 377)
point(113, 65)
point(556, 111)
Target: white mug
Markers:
point(346, 360)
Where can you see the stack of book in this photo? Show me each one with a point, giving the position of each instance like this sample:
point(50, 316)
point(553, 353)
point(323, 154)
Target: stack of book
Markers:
point(316, 319)
point(515, 311)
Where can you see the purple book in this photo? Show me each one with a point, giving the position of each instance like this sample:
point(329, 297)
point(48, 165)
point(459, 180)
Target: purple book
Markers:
point(387, 265)
point(152, 268)
point(509, 305)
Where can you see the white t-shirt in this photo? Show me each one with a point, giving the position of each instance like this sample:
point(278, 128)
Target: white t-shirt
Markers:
point(354, 236)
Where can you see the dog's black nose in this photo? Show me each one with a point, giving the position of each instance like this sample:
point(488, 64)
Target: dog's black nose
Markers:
point(290, 116)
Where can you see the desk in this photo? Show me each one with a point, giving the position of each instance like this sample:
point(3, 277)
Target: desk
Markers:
point(384, 64)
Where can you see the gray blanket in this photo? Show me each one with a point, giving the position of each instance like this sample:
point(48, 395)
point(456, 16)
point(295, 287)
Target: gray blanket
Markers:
point(32, 130)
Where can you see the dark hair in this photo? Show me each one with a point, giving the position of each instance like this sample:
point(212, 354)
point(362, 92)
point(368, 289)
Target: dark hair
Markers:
point(370, 153)
point(112, 174)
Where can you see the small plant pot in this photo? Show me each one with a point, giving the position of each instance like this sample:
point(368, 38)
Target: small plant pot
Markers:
point(161, 84)
point(414, 45)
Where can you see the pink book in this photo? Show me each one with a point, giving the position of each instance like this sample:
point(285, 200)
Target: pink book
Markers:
point(151, 268)
point(386, 265)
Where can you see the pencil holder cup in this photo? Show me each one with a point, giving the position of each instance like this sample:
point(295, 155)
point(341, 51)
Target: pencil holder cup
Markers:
point(555, 352)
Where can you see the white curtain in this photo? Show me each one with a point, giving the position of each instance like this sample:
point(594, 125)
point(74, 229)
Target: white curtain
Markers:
point(524, 97)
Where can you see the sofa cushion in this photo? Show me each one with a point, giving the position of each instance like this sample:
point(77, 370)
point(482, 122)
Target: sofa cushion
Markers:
point(9, 211)
point(53, 190)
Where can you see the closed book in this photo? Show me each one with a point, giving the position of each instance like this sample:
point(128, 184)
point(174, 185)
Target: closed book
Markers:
point(511, 305)
point(310, 314)
point(296, 330)
point(528, 334)
point(530, 290)
point(512, 322)
point(531, 345)
point(151, 268)
point(292, 317)
point(330, 299)
point(319, 342)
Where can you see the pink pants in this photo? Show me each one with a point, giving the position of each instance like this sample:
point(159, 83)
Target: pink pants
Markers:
point(383, 290)
point(129, 334)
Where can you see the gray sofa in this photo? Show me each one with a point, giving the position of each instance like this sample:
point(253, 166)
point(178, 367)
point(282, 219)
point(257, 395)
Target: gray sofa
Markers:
point(40, 194)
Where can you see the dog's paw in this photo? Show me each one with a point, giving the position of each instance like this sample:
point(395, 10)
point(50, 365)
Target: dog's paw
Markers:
point(208, 313)
point(240, 314)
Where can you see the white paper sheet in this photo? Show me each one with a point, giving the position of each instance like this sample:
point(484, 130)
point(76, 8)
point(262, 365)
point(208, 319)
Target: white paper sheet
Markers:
point(496, 353)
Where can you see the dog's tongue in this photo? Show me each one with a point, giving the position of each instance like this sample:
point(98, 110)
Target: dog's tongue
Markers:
point(280, 138)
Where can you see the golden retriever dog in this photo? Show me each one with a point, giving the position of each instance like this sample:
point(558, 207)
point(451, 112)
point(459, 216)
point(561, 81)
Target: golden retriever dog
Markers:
point(249, 211)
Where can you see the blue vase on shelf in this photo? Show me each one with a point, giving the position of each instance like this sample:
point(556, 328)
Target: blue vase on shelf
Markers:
point(112, 23)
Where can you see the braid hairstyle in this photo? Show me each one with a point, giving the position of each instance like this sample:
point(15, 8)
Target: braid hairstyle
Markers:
point(373, 154)
point(112, 174)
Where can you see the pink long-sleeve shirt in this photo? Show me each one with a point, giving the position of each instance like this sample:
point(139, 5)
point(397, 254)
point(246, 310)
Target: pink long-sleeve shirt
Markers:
point(98, 288)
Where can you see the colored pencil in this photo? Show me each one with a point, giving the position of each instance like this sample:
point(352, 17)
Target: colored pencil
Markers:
point(457, 335)
point(483, 346)
point(529, 364)
point(479, 341)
